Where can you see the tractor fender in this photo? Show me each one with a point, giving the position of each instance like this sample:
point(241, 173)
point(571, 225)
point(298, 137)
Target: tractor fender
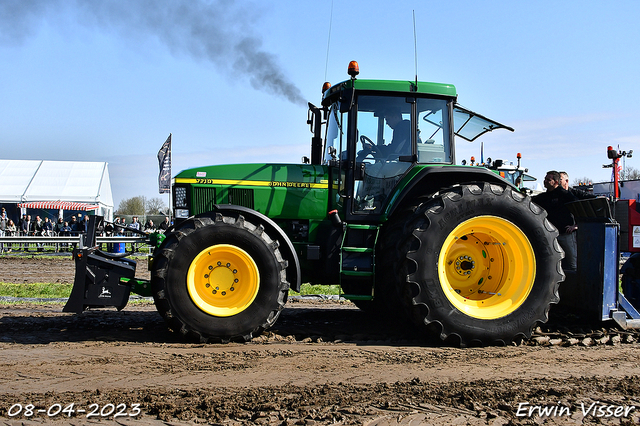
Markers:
point(432, 179)
point(293, 271)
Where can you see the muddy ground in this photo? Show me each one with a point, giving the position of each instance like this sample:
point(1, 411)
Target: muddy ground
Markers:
point(325, 362)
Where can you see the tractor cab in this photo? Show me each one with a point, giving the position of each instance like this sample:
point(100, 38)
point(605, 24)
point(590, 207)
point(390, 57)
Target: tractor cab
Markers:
point(377, 131)
point(389, 135)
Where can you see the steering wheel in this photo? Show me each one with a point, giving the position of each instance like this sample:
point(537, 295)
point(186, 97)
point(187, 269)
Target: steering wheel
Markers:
point(368, 149)
point(366, 142)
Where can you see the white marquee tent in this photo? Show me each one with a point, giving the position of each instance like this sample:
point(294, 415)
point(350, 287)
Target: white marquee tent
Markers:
point(62, 185)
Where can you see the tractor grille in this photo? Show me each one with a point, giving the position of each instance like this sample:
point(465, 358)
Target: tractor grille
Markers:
point(241, 197)
point(203, 200)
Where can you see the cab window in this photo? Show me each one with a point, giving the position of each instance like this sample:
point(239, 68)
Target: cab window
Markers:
point(433, 131)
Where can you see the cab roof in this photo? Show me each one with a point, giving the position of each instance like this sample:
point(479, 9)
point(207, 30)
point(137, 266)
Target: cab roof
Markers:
point(468, 125)
point(403, 86)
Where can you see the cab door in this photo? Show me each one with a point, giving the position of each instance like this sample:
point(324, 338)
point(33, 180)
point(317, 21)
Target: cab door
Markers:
point(383, 137)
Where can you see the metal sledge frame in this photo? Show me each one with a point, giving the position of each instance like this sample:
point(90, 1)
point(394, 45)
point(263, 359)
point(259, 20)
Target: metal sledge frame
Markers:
point(101, 279)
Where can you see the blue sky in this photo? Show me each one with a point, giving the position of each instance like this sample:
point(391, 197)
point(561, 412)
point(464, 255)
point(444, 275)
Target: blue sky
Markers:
point(92, 80)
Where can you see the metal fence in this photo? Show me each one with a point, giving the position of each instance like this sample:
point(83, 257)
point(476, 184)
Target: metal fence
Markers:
point(59, 243)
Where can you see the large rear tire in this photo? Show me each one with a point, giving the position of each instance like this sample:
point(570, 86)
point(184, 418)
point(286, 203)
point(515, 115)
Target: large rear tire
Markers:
point(481, 264)
point(219, 278)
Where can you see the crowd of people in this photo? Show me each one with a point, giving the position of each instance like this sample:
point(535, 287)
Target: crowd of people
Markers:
point(29, 226)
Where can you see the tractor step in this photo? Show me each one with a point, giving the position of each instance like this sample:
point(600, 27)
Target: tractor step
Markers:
point(357, 261)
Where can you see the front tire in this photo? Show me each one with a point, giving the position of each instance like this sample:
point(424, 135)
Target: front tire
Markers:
point(482, 265)
point(220, 278)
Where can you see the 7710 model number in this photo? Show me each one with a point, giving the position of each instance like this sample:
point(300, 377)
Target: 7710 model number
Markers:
point(94, 410)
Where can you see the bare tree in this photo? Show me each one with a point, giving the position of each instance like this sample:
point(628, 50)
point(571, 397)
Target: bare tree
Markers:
point(582, 181)
point(630, 173)
point(156, 205)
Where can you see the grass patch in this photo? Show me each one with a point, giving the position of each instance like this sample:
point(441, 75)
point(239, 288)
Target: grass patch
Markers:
point(140, 302)
point(306, 289)
point(37, 290)
point(50, 291)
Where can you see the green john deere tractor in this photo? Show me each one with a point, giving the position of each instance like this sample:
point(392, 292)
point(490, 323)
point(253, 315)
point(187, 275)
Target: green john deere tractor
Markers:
point(380, 208)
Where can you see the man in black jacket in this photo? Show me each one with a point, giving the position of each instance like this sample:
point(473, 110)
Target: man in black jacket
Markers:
point(554, 201)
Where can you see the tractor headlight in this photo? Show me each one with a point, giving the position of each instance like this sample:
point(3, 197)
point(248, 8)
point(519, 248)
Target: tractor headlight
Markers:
point(182, 213)
point(180, 197)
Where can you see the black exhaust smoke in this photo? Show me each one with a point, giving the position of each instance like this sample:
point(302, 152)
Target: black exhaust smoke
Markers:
point(218, 31)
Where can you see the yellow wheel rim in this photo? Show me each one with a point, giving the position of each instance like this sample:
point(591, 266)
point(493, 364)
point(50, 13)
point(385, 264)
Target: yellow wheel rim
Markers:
point(487, 267)
point(223, 280)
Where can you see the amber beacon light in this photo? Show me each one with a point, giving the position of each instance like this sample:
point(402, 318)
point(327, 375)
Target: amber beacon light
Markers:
point(354, 69)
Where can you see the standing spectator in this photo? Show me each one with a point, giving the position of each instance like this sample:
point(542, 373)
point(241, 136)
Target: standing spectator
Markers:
point(74, 225)
point(25, 226)
point(578, 193)
point(134, 225)
point(47, 227)
point(58, 226)
point(36, 229)
point(164, 225)
point(65, 231)
point(3, 226)
point(57, 229)
point(554, 201)
point(84, 224)
point(75, 228)
point(11, 231)
point(117, 226)
point(20, 221)
point(36, 226)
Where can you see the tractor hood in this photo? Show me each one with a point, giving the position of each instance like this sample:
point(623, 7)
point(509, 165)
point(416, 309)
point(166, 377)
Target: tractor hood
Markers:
point(470, 125)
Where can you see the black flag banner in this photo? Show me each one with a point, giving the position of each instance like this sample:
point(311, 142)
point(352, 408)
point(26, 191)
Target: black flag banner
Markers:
point(164, 160)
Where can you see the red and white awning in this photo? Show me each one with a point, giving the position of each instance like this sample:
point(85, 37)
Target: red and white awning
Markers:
point(58, 205)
